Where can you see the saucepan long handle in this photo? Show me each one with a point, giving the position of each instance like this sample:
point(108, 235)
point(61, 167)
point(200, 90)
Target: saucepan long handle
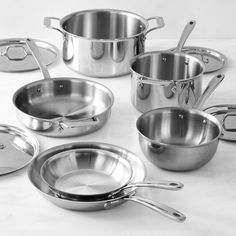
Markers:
point(213, 84)
point(38, 57)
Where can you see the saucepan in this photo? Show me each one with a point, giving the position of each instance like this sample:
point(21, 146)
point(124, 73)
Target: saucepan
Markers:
point(101, 42)
point(178, 139)
point(92, 174)
point(129, 194)
point(166, 79)
point(62, 106)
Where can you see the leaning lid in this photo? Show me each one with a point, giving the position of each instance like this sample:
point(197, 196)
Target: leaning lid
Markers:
point(226, 115)
point(212, 59)
point(17, 148)
point(16, 57)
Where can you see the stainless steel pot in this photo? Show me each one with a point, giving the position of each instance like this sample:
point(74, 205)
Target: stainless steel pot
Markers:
point(165, 79)
point(62, 107)
point(139, 173)
point(178, 139)
point(101, 42)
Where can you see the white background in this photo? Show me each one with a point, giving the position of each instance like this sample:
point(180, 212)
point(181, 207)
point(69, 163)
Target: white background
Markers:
point(209, 196)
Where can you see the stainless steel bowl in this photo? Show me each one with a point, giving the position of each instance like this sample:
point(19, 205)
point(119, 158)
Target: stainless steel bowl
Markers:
point(178, 139)
point(101, 42)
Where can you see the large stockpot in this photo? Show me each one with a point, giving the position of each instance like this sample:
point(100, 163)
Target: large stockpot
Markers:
point(178, 139)
point(101, 42)
point(63, 106)
point(165, 79)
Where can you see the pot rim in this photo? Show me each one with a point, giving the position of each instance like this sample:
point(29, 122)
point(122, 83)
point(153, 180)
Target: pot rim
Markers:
point(142, 19)
point(193, 111)
point(164, 82)
point(110, 93)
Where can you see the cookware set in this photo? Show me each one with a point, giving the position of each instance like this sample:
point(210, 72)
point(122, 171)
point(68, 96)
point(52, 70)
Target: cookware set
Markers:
point(166, 86)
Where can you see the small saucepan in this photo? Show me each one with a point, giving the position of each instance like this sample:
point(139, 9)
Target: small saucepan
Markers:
point(92, 174)
point(178, 139)
point(167, 79)
point(62, 106)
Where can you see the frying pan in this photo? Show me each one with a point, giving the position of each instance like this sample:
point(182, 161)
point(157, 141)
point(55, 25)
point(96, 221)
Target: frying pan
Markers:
point(138, 175)
point(64, 106)
point(92, 174)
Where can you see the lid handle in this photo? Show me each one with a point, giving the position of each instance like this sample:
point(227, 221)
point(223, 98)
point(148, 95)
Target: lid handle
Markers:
point(37, 56)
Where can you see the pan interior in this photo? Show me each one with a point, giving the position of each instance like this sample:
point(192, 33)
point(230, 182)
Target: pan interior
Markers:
point(86, 172)
point(167, 66)
point(178, 127)
point(103, 24)
point(73, 99)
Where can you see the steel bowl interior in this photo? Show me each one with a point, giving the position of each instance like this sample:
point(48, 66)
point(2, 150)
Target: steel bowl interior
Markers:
point(104, 24)
point(86, 173)
point(180, 127)
point(72, 98)
point(138, 168)
point(167, 66)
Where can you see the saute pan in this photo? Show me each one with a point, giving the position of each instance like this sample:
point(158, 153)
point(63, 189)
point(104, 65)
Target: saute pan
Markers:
point(63, 106)
point(92, 174)
point(138, 175)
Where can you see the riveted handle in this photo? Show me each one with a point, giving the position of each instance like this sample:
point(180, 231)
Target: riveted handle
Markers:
point(159, 22)
point(49, 22)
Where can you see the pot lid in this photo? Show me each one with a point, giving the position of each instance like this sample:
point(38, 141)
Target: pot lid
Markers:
point(226, 115)
point(16, 57)
point(212, 59)
point(17, 148)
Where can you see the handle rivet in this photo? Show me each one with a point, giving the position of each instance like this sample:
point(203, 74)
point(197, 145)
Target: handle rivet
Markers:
point(2, 146)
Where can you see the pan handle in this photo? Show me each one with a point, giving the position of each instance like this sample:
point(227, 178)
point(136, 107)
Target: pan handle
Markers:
point(213, 84)
point(155, 206)
point(37, 56)
point(47, 21)
point(166, 185)
point(224, 120)
point(159, 21)
point(65, 124)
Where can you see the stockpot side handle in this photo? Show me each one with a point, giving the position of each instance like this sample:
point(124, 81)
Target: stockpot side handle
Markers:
point(38, 57)
point(159, 208)
point(224, 122)
point(48, 22)
point(159, 21)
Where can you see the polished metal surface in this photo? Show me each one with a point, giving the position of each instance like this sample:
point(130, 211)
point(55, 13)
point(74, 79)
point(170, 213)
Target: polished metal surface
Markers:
point(84, 174)
point(16, 57)
point(212, 59)
point(185, 34)
point(138, 170)
point(17, 149)
point(101, 42)
point(178, 139)
point(61, 107)
point(226, 115)
point(93, 174)
point(165, 79)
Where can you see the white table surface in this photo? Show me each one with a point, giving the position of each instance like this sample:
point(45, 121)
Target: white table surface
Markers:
point(208, 198)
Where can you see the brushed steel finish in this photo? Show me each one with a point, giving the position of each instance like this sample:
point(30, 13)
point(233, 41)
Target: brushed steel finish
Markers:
point(185, 34)
point(93, 174)
point(166, 79)
point(138, 170)
point(101, 42)
point(62, 107)
point(178, 139)
point(86, 174)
